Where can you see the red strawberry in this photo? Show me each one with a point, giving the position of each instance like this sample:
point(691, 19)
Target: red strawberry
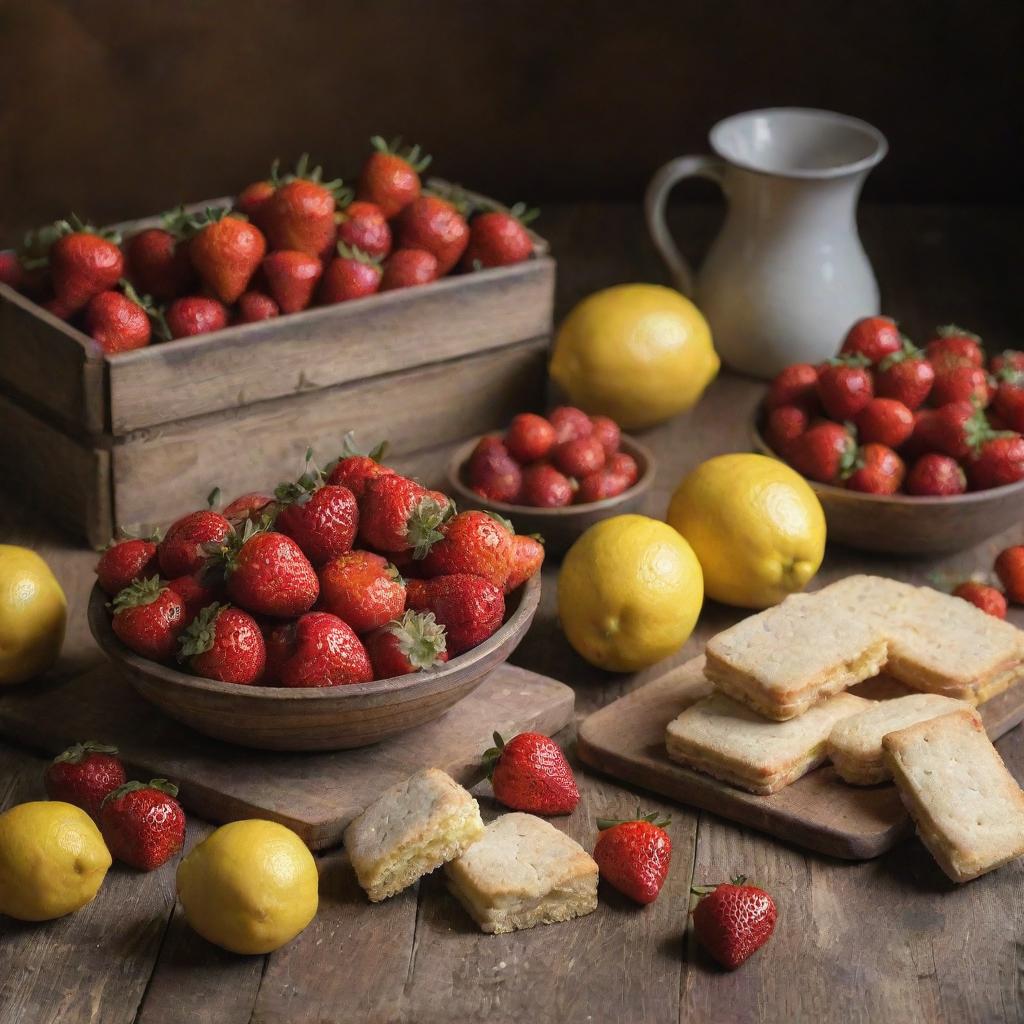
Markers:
point(351, 275)
point(184, 549)
point(82, 264)
point(224, 643)
point(998, 461)
point(906, 376)
point(823, 452)
point(607, 431)
point(952, 345)
point(291, 278)
point(255, 306)
point(158, 264)
point(12, 273)
point(390, 178)
point(844, 387)
point(634, 854)
point(545, 487)
point(493, 473)
point(362, 589)
point(473, 542)
point(936, 475)
point(530, 773)
point(319, 650)
point(83, 775)
point(498, 239)
point(124, 561)
point(142, 824)
point(625, 465)
point(1010, 570)
point(961, 382)
point(885, 421)
point(605, 483)
point(406, 268)
point(300, 212)
point(195, 314)
point(254, 197)
point(355, 470)
point(412, 643)
point(733, 920)
point(397, 514)
point(878, 470)
point(1008, 403)
point(570, 423)
point(119, 322)
point(1010, 359)
point(982, 596)
point(363, 226)
point(956, 429)
point(579, 458)
point(469, 607)
point(784, 425)
point(225, 251)
point(267, 574)
point(529, 437)
point(148, 616)
point(874, 337)
point(253, 505)
point(794, 385)
point(527, 559)
point(435, 225)
point(196, 591)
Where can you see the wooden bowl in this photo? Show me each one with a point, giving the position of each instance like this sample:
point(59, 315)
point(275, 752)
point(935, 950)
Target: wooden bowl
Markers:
point(558, 526)
point(324, 718)
point(906, 525)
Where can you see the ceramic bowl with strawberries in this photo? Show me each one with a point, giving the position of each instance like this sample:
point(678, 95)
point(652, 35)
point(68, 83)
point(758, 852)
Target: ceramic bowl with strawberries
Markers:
point(554, 475)
point(911, 450)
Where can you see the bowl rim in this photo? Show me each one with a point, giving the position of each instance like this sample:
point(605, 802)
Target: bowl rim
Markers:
point(433, 680)
point(627, 443)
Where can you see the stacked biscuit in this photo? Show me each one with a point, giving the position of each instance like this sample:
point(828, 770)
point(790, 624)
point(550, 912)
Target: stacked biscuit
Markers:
point(780, 709)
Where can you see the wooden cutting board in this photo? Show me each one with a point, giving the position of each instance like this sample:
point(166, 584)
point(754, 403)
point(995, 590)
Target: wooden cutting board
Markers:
point(316, 794)
point(626, 740)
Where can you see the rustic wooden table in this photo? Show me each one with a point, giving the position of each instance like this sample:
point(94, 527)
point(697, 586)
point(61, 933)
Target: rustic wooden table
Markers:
point(884, 940)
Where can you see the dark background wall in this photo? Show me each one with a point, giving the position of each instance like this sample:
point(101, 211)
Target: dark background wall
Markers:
point(118, 109)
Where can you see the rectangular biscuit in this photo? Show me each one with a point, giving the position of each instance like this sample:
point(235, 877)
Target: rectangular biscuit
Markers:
point(855, 744)
point(968, 809)
point(409, 830)
point(524, 872)
point(725, 739)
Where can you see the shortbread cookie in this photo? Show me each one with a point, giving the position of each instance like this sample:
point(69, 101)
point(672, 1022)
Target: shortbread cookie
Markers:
point(409, 830)
point(855, 745)
point(524, 872)
point(723, 738)
point(968, 809)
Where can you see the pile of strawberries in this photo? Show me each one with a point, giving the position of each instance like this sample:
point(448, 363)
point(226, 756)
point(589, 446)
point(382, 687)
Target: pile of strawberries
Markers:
point(287, 243)
point(345, 575)
point(567, 457)
point(885, 416)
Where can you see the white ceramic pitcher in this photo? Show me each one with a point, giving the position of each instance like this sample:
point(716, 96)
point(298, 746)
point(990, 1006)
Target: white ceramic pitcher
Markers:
point(787, 275)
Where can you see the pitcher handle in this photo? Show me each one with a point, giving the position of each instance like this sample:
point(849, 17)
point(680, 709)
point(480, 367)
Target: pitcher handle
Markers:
point(664, 180)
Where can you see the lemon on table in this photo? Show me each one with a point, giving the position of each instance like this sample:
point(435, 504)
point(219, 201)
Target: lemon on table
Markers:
point(639, 353)
point(249, 887)
point(629, 593)
point(33, 614)
point(756, 526)
point(52, 860)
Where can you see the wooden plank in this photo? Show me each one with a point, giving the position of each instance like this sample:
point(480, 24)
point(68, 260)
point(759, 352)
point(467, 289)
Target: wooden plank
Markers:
point(162, 472)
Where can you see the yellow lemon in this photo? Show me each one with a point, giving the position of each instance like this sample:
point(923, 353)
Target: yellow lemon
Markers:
point(249, 887)
point(33, 614)
point(52, 860)
point(756, 526)
point(629, 593)
point(639, 353)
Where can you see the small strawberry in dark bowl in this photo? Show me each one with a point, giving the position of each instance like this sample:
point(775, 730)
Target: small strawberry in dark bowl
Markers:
point(84, 775)
point(877, 470)
point(414, 642)
point(224, 643)
point(935, 476)
point(148, 617)
point(634, 854)
point(884, 421)
point(823, 452)
point(527, 559)
point(493, 473)
point(143, 824)
point(530, 773)
point(997, 461)
point(544, 486)
point(529, 437)
point(733, 920)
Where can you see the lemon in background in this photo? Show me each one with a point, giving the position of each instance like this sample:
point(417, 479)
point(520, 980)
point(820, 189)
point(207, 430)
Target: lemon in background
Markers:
point(33, 615)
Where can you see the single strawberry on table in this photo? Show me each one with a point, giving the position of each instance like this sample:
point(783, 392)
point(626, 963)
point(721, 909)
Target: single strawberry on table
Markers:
point(124, 560)
point(224, 643)
point(527, 559)
point(352, 274)
point(982, 596)
point(884, 421)
point(1009, 568)
point(291, 278)
point(363, 589)
point(469, 607)
point(823, 452)
point(529, 437)
point(845, 386)
point(874, 337)
point(407, 268)
point(733, 920)
point(530, 773)
point(498, 238)
point(397, 514)
point(433, 223)
point(492, 471)
point(143, 824)
point(148, 617)
point(225, 250)
point(390, 178)
point(877, 470)
point(474, 542)
point(185, 547)
point(195, 314)
point(268, 574)
point(952, 345)
point(794, 385)
point(83, 775)
point(355, 469)
point(83, 262)
point(363, 226)
point(299, 214)
point(317, 650)
point(906, 376)
point(935, 475)
point(412, 642)
point(254, 306)
point(633, 854)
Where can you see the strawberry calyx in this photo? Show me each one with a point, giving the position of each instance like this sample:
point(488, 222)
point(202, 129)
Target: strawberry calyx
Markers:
point(423, 527)
point(908, 351)
point(978, 430)
point(413, 156)
point(298, 492)
point(502, 521)
point(138, 593)
point(153, 535)
point(953, 331)
point(1012, 375)
point(357, 255)
point(652, 818)
point(492, 755)
point(706, 890)
point(161, 785)
point(856, 360)
point(80, 751)
point(421, 638)
point(851, 460)
point(222, 556)
point(201, 633)
point(303, 172)
point(349, 449)
point(35, 251)
point(185, 224)
point(149, 307)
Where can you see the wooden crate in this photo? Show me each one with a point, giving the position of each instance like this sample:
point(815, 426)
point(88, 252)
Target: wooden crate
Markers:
point(104, 441)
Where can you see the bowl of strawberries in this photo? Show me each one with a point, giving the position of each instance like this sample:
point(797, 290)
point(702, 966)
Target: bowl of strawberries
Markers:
point(347, 606)
point(554, 475)
point(910, 450)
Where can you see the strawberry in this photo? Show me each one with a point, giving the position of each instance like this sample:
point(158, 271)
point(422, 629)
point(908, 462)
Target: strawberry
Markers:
point(124, 561)
point(197, 590)
point(884, 421)
point(823, 452)
point(493, 473)
point(142, 824)
point(291, 278)
point(952, 345)
point(1008, 403)
point(607, 431)
point(362, 589)
point(794, 385)
point(955, 429)
point(961, 382)
point(254, 306)
point(355, 470)
point(351, 275)
point(436, 226)
point(119, 321)
point(998, 461)
point(469, 607)
point(253, 505)
point(83, 775)
point(397, 514)
point(390, 178)
point(318, 650)
point(83, 263)
point(625, 465)
point(195, 314)
point(878, 470)
point(527, 559)
point(982, 596)
point(480, 543)
point(499, 239)
point(406, 268)
point(605, 483)
point(268, 574)
point(905, 376)
point(844, 386)
point(224, 643)
point(570, 423)
point(633, 854)
point(1010, 570)
point(12, 273)
point(300, 212)
point(148, 616)
point(530, 773)
point(935, 475)
point(253, 198)
point(545, 487)
point(184, 548)
point(1010, 359)
point(874, 337)
point(412, 643)
point(784, 425)
point(529, 437)
point(733, 920)
point(363, 226)
point(225, 250)
point(578, 458)
point(157, 263)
